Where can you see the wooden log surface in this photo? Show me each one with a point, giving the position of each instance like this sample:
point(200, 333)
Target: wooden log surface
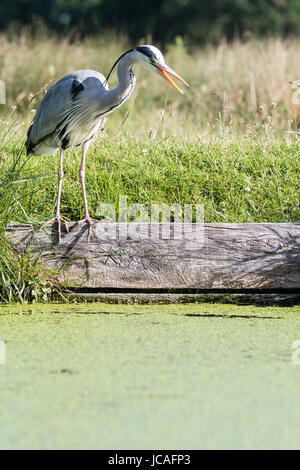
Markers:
point(177, 257)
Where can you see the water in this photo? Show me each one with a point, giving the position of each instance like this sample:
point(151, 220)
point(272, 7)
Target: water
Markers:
point(163, 377)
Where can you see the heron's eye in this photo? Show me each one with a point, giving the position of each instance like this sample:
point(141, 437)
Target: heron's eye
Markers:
point(151, 60)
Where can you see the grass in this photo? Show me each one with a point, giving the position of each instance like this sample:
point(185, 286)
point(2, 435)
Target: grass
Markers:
point(230, 143)
point(235, 181)
point(22, 278)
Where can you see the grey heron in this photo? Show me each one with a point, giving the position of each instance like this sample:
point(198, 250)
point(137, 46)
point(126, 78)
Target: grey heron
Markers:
point(72, 111)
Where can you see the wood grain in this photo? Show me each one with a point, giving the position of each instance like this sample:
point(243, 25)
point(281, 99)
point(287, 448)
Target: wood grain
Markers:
point(154, 256)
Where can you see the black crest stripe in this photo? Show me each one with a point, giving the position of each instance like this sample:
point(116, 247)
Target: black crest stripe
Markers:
point(146, 51)
point(76, 88)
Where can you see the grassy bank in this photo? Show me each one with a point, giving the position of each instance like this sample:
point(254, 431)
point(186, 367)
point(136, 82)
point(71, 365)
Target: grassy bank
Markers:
point(235, 181)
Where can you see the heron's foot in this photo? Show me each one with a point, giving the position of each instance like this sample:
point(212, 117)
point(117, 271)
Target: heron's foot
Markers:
point(89, 221)
point(59, 221)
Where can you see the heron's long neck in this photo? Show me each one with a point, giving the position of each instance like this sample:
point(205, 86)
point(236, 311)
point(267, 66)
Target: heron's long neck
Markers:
point(126, 84)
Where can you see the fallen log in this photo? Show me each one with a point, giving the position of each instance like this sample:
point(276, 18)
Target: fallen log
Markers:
point(181, 259)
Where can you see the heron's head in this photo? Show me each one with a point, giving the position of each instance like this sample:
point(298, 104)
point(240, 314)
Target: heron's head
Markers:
point(152, 59)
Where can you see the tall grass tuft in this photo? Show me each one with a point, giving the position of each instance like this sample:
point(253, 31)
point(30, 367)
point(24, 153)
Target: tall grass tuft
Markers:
point(22, 278)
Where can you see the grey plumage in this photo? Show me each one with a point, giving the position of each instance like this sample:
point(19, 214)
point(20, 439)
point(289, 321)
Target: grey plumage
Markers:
point(68, 114)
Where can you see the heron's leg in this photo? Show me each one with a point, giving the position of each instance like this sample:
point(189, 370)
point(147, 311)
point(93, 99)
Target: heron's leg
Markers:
point(87, 219)
point(60, 180)
point(58, 217)
point(82, 181)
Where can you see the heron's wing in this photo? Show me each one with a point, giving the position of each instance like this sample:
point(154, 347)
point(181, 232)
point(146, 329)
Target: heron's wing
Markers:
point(59, 103)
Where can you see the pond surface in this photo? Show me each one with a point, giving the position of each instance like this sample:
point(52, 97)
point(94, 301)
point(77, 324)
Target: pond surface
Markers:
point(156, 377)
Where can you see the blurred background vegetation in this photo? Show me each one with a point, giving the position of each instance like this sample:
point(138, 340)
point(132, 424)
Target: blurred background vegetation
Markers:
point(239, 57)
point(196, 20)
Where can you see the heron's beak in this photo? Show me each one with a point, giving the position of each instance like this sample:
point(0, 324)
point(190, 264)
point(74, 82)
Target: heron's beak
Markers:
point(165, 71)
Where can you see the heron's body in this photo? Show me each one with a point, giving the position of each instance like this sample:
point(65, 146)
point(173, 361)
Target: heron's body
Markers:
point(72, 111)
